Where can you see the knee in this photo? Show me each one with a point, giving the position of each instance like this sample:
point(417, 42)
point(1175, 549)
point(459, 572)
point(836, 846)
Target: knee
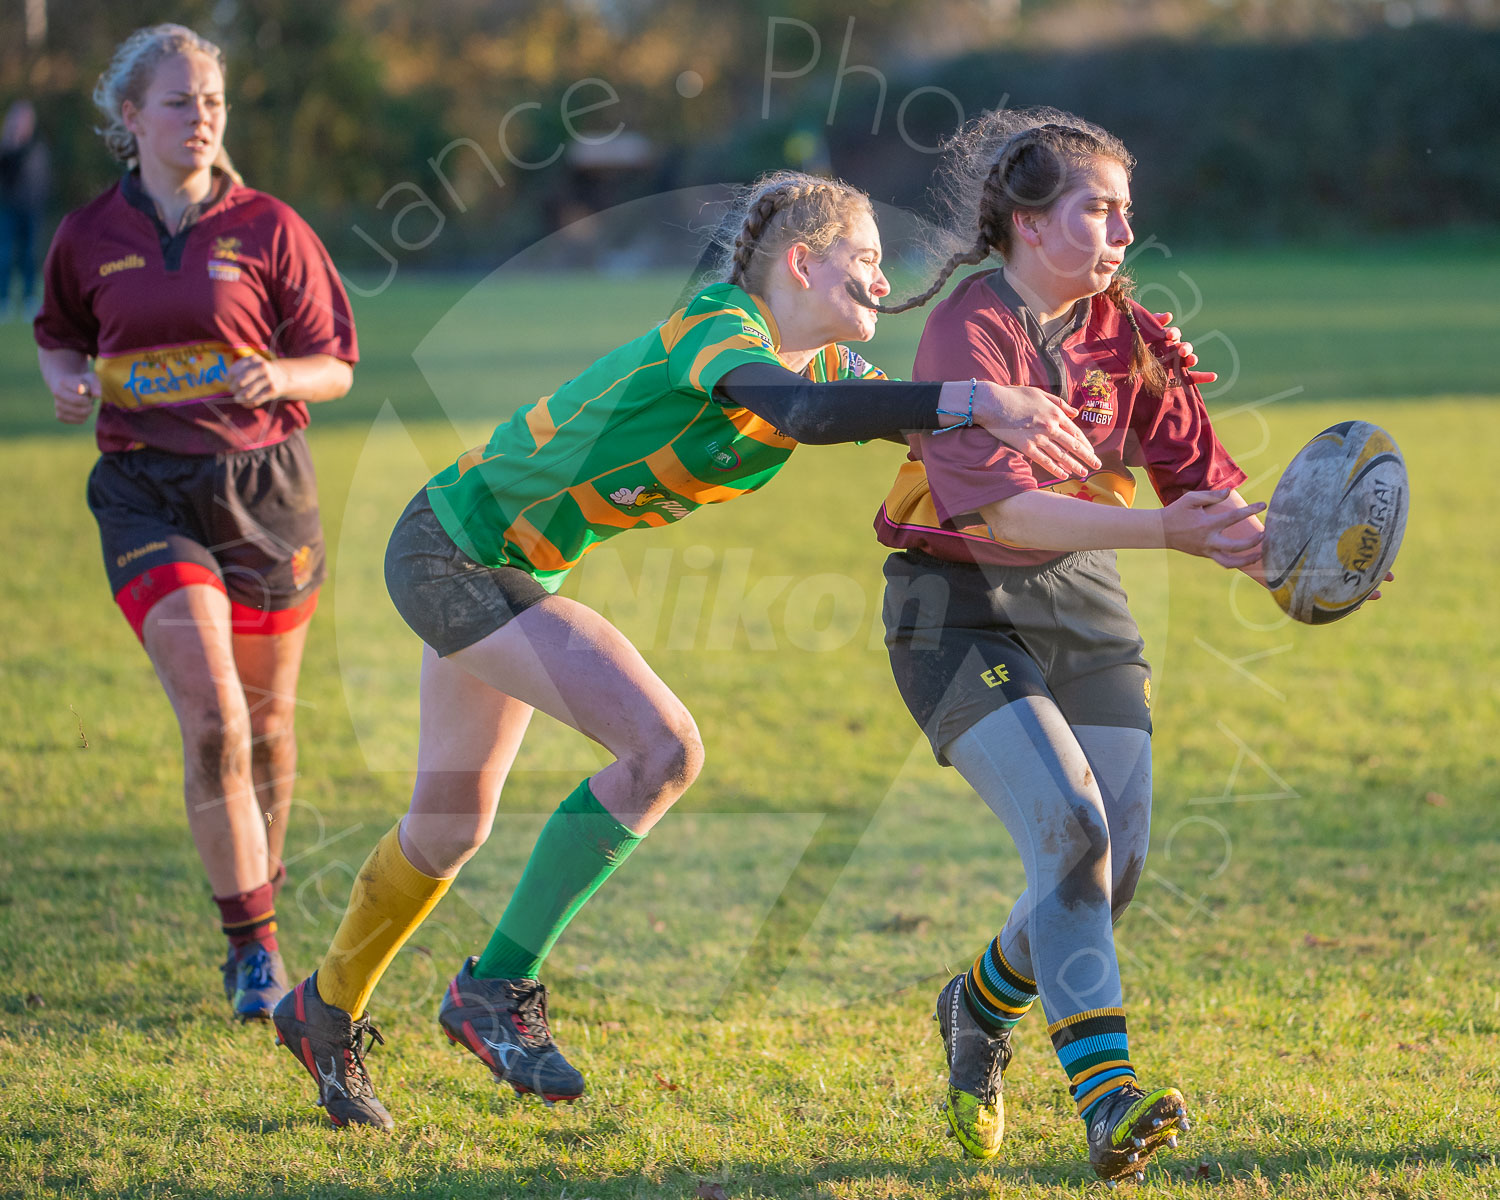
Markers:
point(671, 757)
point(273, 738)
point(214, 748)
point(439, 844)
point(1083, 854)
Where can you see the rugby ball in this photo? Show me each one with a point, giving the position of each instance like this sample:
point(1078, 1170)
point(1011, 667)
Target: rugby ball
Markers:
point(1335, 522)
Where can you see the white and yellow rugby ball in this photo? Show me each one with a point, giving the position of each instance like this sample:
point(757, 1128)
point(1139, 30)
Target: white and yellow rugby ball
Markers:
point(1335, 522)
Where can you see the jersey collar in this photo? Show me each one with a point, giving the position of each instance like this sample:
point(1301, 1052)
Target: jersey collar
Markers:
point(172, 244)
point(1043, 344)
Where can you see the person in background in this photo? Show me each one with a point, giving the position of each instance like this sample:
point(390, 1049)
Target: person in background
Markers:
point(203, 317)
point(25, 177)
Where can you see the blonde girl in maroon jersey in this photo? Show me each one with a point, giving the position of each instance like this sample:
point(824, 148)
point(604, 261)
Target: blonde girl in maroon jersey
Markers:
point(203, 317)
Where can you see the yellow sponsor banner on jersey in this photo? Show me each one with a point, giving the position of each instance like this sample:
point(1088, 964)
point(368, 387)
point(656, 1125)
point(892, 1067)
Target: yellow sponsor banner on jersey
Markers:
point(169, 374)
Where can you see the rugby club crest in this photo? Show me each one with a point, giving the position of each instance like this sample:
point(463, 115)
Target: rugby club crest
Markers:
point(1098, 403)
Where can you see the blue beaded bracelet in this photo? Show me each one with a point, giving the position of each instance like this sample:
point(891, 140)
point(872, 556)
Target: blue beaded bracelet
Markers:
point(968, 417)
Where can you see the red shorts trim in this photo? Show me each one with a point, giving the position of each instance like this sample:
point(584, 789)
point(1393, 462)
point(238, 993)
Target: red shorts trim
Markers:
point(141, 594)
point(244, 619)
point(146, 590)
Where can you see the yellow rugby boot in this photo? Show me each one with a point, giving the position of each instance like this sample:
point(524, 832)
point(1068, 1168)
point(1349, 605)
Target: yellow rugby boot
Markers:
point(1130, 1126)
point(976, 1071)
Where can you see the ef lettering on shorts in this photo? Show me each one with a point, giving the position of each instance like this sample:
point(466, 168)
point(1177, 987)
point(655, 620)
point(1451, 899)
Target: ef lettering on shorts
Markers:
point(996, 675)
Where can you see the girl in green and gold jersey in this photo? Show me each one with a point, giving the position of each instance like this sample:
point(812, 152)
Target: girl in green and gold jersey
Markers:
point(701, 409)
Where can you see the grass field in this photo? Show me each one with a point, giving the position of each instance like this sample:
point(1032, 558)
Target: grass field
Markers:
point(1311, 956)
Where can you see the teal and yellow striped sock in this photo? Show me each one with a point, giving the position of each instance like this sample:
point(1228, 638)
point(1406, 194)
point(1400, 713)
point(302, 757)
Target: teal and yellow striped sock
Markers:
point(997, 994)
point(1094, 1050)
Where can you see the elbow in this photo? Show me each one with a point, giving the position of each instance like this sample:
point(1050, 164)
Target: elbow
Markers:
point(1001, 517)
point(805, 427)
point(342, 380)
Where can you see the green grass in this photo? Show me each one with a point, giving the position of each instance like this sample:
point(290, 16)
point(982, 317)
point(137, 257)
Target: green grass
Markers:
point(1311, 955)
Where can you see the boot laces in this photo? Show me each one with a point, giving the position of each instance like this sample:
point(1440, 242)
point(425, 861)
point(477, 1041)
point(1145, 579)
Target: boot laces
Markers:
point(357, 1079)
point(529, 1016)
point(997, 1052)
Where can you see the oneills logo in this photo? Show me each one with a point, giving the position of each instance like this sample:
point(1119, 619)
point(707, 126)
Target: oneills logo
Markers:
point(129, 263)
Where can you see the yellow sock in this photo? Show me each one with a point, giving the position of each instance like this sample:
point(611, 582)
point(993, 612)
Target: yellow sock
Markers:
point(389, 900)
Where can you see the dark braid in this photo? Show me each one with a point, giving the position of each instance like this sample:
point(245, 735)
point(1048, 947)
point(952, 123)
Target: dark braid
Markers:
point(1143, 364)
point(972, 257)
point(992, 235)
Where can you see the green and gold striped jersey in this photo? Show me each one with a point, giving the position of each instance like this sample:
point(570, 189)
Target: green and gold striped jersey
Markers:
point(637, 439)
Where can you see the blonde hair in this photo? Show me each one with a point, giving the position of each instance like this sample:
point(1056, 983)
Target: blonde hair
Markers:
point(779, 209)
point(129, 74)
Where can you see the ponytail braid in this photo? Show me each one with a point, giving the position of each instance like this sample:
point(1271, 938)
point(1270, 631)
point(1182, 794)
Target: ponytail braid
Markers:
point(997, 200)
point(975, 255)
point(757, 220)
point(1144, 365)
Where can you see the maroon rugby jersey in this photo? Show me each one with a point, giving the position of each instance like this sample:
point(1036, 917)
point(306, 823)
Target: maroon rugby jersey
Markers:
point(164, 316)
point(984, 329)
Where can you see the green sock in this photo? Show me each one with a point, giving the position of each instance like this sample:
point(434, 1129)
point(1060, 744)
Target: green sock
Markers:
point(579, 848)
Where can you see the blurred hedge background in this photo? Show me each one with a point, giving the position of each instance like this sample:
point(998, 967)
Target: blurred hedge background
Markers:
point(384, 121)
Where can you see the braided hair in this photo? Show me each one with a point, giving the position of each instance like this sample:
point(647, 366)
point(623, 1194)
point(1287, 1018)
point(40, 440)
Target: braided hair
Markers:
point(1022, 160)
point(779, 209)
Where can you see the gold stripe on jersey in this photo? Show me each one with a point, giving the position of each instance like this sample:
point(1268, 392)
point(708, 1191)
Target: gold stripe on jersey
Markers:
point(538, 550)
point(679, 324)
point(468, 459)
point(752, 426)
point(539, 422)
point(671, 472)
point(579, 410)
point(706, 356)
point(909, 502)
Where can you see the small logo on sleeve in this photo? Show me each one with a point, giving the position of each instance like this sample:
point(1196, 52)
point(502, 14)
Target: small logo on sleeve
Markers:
point(759, 334)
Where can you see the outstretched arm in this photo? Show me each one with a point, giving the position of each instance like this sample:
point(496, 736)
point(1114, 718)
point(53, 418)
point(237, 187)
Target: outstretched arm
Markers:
point(852, 410)
point(1211, 524)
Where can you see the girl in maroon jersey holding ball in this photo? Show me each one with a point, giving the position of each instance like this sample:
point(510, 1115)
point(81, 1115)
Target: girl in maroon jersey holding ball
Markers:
point(203, 317)
point(1009, 633)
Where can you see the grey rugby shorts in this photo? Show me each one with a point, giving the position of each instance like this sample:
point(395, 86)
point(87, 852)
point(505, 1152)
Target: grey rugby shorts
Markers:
point(965, 640)
point(449, 600)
